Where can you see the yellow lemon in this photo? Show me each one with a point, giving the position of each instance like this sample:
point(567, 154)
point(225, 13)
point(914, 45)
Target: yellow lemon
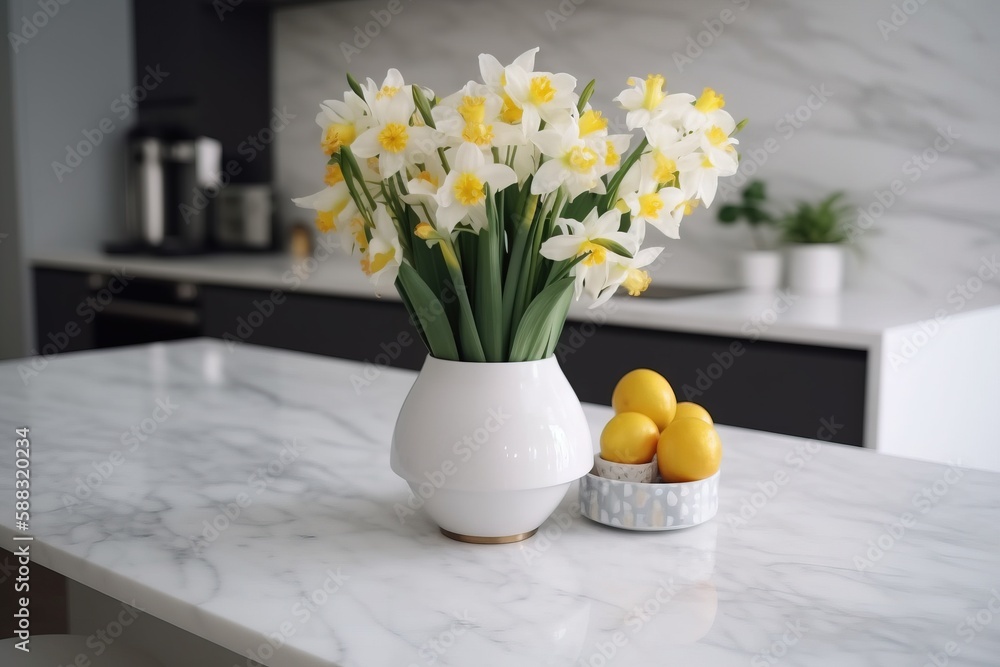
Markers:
point(646, 392)
point(629, 438)
point(689, 450)
point(694, 411)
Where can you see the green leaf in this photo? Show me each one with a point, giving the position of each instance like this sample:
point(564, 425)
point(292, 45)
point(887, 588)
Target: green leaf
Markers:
point(355, 86)
point(542, 323)
point(613, 246)
point(585, 95)
point(427, 309)
point(611, 198)
point(740, 125)
point(514, 278)
point(489, 299)
point(423, 106)
point(730, 213)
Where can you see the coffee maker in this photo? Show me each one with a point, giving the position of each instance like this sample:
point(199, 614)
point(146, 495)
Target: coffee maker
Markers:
point(170, 183)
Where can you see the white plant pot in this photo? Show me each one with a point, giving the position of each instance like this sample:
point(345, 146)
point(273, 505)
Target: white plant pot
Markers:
point(816, 268)
point(761, 269)
point(490, 449)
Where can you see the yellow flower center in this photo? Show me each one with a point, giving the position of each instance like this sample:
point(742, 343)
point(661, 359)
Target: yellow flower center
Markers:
point(689, 206)
point(706, 162)
point(337, 135)
point(386, 92)
point(581, 160)
point(375, 264)
point(393, 137)
point(611, 158)
point(541, 90)
point(478, 133)
point(473, 109)
point(665, 168)
point(650, 205)
point(324, 221)
point(716, 136)
point(636, 281)
point(709, 101)
point(428, 177)
point(333, 175)
point(598, 254)
point(592, 121)
point(423, 231)
point(654, 91)
point(468, 189)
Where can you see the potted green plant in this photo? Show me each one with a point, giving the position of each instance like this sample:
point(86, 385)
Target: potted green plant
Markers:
point(815, 234)
point(760, 268)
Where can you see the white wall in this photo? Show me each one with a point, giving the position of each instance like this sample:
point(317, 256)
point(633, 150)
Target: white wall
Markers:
point(888, 94)
point(65, 78)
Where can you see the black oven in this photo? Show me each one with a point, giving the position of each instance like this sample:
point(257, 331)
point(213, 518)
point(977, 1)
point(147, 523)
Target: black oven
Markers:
point(138, 310)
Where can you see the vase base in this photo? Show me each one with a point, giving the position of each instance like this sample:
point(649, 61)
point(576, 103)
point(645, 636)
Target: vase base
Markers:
point(472, 539)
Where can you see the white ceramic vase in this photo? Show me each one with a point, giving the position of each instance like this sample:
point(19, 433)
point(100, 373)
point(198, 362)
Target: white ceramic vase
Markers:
point(816, 268)
point(761, 269)
point(490, 449)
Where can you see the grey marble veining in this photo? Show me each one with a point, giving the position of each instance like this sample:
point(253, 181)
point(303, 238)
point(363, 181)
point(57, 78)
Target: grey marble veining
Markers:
point(883, 82)
point(819, 555)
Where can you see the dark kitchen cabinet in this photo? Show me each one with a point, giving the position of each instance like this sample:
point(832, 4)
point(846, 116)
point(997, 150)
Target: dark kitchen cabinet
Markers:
point(212, 66)
point(804, 390)
point(359, 329)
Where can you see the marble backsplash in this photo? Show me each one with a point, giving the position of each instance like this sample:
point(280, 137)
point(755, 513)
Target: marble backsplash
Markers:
point(892, 101)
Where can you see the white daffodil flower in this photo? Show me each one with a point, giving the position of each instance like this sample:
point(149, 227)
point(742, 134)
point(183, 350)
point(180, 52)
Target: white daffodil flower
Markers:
point(572, 162)
point(328, 203)
point(716, 141)
point(342, 122)
point(382, 255)
point(646, 100)
point(463, 192)
point(662, 207)
point(706, 111)
point(578, 238)
point(495, 78)
point(540, 96)
point(700, 172)
point(628, 273)
point(391, 138)
point(473, 115)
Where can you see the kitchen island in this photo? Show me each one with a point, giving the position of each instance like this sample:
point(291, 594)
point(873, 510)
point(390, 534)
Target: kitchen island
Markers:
point(244, 496)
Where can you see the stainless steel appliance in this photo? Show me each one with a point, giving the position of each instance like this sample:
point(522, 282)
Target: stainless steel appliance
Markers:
point(244, 218)
point(170, 188)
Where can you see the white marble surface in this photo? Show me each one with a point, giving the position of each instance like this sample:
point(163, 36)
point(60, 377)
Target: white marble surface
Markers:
point(885, 93)
point(856, 319)
point(788, 579)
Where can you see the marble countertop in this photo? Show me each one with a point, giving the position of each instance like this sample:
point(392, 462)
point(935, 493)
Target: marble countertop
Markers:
point(855, 320)
point(246, 494)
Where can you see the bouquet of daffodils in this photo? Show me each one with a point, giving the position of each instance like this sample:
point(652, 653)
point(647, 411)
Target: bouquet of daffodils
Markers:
point(492, 208)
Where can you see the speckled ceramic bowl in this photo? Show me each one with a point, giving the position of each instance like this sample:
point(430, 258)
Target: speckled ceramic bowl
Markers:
point(654, 506)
